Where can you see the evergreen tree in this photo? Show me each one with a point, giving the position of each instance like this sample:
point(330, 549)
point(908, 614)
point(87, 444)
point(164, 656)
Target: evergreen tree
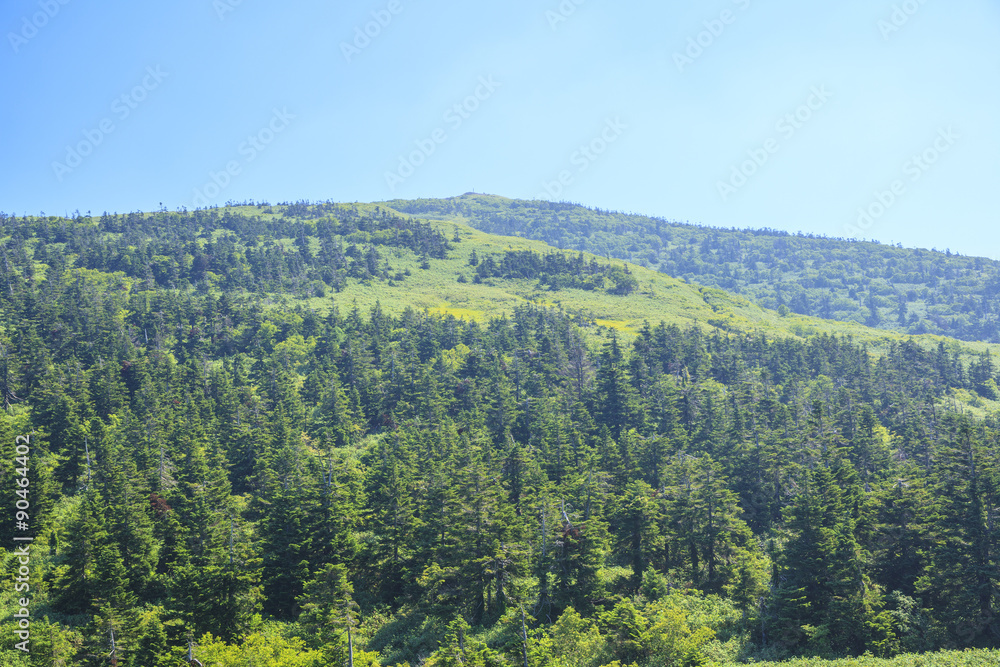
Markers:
point(960, 579)
point(635, 522)
point(616, 405)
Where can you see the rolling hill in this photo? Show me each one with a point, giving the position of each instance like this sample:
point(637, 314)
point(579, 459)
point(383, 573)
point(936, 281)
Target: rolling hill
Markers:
point(887, 287)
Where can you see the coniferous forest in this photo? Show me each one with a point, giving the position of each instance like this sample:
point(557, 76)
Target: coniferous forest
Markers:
point(231, 462)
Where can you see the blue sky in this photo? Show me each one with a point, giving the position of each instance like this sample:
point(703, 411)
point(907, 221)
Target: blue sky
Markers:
point(873, 118)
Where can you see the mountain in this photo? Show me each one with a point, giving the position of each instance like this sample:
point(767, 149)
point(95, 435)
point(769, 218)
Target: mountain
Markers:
point(360, 255)
point(888, 287)
point(314, 434)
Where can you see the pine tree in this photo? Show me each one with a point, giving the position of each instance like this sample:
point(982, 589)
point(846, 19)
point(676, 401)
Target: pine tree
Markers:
point(635, 520)
point(826, 600)
point(390, 491)
point(900, 542)
point(580, 554)
point(963, 572)
point(616, 404)
point(329, 611)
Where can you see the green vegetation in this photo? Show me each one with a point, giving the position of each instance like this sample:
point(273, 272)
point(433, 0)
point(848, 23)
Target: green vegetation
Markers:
point(967, 658)
point(884, 286)
point(290, 435)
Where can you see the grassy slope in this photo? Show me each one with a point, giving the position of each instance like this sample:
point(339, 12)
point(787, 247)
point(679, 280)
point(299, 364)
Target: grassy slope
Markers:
point(659, 297)
point(980, 658)
point(832, 278)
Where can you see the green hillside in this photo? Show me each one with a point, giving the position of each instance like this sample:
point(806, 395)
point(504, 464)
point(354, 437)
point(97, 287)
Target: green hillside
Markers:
point(358, 255)
point(329, 434)
point(246, 249)
point(889, 287)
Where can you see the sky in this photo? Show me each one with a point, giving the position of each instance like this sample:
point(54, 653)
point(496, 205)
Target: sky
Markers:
point(857, 118)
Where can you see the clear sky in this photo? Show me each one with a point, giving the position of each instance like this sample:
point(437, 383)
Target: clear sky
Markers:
point(785, 114)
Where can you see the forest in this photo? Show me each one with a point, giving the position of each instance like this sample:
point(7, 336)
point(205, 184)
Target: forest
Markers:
point(219, 469)
point(889, 287)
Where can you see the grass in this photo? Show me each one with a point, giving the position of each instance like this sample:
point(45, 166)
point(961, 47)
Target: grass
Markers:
point(967, 658)
point(659, 297)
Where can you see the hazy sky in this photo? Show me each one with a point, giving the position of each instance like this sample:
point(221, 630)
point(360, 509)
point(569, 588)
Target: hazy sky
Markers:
point(791, 115)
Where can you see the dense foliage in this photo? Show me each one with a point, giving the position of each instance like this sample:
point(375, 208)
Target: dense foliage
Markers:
point(249, 249)
point(555, 271)
point(282, 486)
point(885, 286)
